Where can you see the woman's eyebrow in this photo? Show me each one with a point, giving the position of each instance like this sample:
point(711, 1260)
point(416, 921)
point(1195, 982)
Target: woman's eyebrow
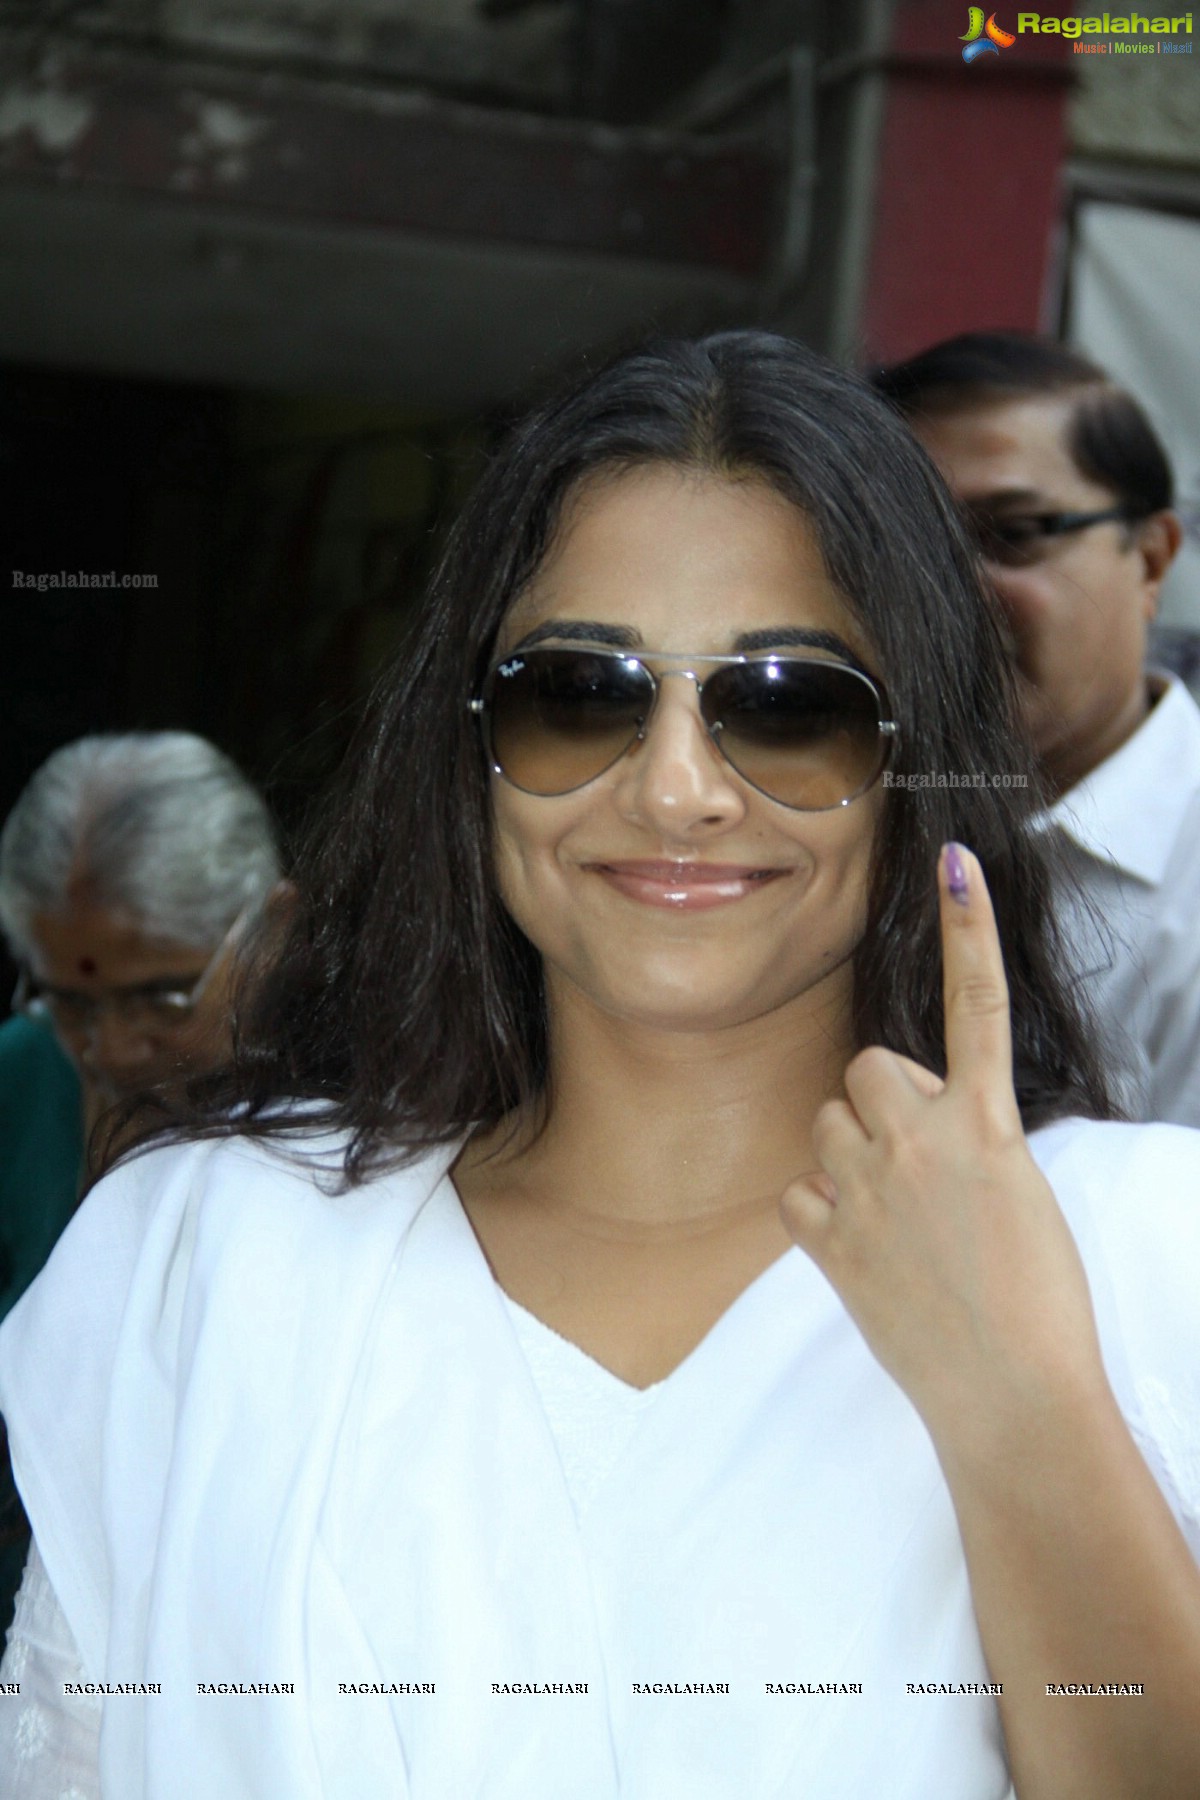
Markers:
point(778, 637)
point(624, 637)
point(580, 631)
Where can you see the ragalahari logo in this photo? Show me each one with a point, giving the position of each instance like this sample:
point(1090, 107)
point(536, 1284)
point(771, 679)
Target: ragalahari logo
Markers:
point(980, 39)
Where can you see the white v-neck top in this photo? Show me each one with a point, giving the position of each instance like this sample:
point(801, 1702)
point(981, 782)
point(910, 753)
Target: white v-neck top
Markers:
point(290, 1454)
point(591, 1412)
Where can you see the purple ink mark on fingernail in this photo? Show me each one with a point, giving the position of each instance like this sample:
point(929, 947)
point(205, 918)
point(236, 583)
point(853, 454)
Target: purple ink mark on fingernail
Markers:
point(956, 874)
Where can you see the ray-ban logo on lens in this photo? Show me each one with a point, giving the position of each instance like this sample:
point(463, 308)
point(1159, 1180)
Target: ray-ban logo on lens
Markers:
point(982, 38)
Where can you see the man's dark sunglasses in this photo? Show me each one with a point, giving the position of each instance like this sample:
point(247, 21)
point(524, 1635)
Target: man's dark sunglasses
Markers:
point(1018, 539)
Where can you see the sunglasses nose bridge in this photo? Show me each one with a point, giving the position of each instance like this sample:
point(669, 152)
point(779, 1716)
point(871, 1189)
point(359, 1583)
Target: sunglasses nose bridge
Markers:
point(669, 739)
point(708, 689)
point(659, 676)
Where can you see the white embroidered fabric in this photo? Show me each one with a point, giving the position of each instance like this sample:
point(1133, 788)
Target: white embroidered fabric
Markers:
point(591, 1412)
point(49, 1740)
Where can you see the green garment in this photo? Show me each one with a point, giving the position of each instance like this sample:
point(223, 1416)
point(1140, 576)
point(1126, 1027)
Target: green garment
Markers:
point(41, 1150)
point(41, 1164)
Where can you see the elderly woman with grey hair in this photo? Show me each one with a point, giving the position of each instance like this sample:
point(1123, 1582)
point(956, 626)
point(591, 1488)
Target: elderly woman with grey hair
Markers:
point(130, 868)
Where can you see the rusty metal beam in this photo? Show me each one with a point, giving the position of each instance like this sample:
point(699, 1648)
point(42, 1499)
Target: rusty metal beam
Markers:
point(327, 152)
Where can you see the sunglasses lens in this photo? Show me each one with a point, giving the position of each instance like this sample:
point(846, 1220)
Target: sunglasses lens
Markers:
point(804, 733)
point(559, 718)
point(1007, 543)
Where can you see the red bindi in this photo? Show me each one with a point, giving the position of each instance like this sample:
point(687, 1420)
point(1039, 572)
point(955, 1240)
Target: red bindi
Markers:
point(87, 966)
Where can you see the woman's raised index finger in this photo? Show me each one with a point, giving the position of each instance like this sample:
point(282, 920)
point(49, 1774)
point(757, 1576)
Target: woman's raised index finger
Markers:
point(974, 986)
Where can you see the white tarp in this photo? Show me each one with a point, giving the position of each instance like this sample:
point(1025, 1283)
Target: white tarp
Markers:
point(1135, 278)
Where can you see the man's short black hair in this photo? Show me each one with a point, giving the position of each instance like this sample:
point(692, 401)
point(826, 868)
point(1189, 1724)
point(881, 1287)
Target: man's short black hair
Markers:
point(1110, 439)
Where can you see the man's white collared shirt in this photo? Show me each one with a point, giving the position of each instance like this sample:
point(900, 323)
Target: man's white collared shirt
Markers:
point(1130, 835)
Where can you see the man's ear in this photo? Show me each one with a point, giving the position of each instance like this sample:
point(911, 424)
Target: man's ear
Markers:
point(1157, 541)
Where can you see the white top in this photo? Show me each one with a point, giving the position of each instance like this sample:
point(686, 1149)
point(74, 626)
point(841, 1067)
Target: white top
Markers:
point(271, 1438)
point(1131, 834)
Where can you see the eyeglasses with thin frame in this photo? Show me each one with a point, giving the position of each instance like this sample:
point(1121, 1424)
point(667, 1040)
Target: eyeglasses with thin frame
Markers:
point(806, 731)
point(1017, 540)
point(143, 1007)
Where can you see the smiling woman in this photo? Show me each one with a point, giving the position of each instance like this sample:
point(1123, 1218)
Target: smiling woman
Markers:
point(613, 1311)
point(426, 1018)
point(671, 558)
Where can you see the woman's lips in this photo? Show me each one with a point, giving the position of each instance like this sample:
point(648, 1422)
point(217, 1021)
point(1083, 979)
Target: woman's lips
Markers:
point(685, 887)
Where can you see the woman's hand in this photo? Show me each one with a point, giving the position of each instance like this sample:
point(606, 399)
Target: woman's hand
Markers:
point(946, 1244)
point(929, 1215)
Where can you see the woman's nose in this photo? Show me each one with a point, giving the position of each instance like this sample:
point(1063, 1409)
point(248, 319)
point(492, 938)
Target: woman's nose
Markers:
point(675, 780)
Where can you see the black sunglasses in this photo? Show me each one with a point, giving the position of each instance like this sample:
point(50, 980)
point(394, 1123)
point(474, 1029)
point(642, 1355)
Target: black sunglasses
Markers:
point(809, 733)
point(1018, 539)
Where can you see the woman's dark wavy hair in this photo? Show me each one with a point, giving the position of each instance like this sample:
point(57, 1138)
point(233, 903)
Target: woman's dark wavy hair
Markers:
point(404, 997)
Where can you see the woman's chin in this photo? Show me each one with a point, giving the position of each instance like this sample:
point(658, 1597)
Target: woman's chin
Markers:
point(646, 1001)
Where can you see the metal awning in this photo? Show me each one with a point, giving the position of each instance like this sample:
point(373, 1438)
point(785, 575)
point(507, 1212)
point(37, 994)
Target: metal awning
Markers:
point(224, 224)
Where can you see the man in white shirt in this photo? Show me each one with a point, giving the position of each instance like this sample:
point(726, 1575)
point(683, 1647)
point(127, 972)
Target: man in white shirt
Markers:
point(1069, 494)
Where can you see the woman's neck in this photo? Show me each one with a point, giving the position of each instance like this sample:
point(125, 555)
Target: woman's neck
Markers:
point(651, 1131)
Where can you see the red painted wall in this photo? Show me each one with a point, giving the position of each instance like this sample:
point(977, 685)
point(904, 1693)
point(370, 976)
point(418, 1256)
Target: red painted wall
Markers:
point(967, 188)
